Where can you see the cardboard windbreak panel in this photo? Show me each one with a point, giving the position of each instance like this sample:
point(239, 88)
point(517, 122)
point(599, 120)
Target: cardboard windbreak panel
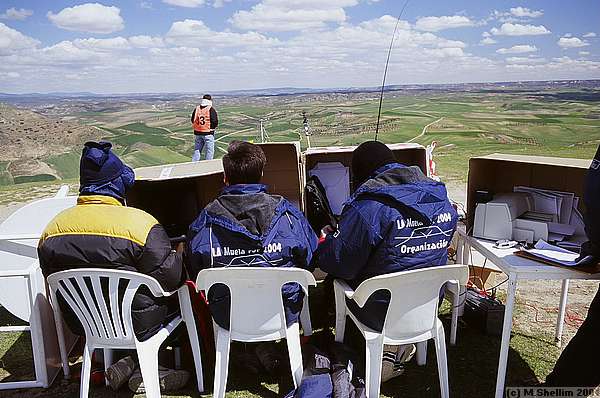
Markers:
point(282, 173)
point(176, 200)
point(407, 154)
point(500, 173)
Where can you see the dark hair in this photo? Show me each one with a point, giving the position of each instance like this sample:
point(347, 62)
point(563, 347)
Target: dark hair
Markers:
point(207, 96)
point(243, 163)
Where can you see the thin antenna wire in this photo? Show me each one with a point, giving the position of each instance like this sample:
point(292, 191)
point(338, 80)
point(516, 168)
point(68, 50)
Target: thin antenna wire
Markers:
point(386, 68)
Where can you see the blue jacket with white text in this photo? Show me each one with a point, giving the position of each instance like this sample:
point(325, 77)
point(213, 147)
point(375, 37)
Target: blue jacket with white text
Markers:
point(397, 220)
point(247, 227)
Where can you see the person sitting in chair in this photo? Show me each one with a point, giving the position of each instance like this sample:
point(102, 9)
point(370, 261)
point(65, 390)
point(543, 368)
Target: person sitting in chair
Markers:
point(246, 226)
point(101, 232)
point(397, 219)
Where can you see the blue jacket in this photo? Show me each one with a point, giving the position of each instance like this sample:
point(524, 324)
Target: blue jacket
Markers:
point(245, 226)
point(397, 220)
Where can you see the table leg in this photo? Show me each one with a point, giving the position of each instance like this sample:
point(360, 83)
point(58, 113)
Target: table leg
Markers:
point(466, 253)
point(561, 312)
point(506, 329)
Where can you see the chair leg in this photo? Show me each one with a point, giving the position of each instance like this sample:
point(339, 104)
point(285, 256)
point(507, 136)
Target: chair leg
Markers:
point(455, 310)
point(305, 318)
point(223, 340)
point(422, 353)
point(340, 314)
point(190, 324)
point(86, 368)
point(148, 358)
point(108, 361)
point(294, 350)
point(374, 356)
point(440, 353)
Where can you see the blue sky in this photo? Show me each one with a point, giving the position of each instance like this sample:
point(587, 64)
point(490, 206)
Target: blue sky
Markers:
point(202, 45)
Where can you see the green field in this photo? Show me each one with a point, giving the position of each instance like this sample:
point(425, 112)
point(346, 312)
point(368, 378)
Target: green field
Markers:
point(464, 124)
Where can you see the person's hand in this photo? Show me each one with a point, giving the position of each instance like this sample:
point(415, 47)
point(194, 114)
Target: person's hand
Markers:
point(326, 230)
point(180, 247)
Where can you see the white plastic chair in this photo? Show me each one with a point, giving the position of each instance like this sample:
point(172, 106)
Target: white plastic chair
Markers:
point(108, 324)
point(256, 313)
point(411, 316)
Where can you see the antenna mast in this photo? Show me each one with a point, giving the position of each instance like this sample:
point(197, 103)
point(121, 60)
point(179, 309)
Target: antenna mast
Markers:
point(386, 68)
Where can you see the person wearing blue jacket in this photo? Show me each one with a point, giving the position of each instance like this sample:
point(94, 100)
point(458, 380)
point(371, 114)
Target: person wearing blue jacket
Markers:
point(397, 219)
point(576, 366)
point(246, 226)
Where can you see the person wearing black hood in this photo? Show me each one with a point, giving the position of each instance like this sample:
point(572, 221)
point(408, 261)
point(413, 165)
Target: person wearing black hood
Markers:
point(101, 232)
point(576, 365)
point(397, 219)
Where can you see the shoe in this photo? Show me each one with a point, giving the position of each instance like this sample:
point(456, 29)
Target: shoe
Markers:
point(405, 353)
point(119, 372)
point(270, 358)
point(170, 380)
point(389, 367)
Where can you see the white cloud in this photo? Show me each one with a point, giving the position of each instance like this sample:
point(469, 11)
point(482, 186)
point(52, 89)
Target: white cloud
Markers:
point(525, 60)
point(435, 24)
point(185, 3)
point(220, 3)
point(519, 49)
point(522, 12)
point(510, 29)
point(590, 34)
point(146, 41)
point(89, 17)
point(16, 14)
point(146, 5)
point(572, 42)
point(193, 33)
point(487, 41)
point(12, 40)
point(291, 15)
point(584, 53)
point(112, 44)
point(9, 75)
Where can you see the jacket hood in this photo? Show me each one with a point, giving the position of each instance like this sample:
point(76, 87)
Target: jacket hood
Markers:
point(398, 185)
point(247, 208)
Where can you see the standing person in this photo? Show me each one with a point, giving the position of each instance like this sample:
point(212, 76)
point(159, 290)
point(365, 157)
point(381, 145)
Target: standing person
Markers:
point(397, 219)
point(576, 366)
point(101, 232)
point(204, 121)
point(246, 219)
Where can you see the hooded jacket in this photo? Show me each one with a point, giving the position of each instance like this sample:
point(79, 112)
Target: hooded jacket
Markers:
point(99, 232)
point(245, 226)
point(397, 220)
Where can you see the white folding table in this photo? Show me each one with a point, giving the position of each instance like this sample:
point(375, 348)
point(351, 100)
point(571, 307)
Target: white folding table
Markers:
point(23, 288)
point(518, 268)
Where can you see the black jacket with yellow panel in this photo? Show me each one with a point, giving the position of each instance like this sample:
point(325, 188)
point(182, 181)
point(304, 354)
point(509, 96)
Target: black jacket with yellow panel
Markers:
point(102, 233)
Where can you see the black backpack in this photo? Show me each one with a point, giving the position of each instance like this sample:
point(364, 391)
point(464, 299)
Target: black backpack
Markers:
point(318, 210)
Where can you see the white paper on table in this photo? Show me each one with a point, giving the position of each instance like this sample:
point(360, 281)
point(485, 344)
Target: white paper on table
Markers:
point(557, 254)
point(555, 237)
point(577, 222)
point(561, 229)
point(541, 199)
point(335, 178)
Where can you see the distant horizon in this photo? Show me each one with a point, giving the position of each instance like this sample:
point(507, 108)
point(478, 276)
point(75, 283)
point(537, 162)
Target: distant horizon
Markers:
point(388, 87)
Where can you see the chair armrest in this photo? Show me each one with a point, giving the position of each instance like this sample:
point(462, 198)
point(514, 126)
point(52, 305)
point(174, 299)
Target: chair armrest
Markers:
point(342, 286)
point(19, 236)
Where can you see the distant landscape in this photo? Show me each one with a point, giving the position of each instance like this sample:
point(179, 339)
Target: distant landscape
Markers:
point(41, 134)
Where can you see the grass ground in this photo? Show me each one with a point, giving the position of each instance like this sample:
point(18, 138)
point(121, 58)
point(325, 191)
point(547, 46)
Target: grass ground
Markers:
point(472, 363)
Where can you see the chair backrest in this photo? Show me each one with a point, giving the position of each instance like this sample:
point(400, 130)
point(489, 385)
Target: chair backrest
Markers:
point(101, 300)
point(256, 302)
point(415, 297)
point(33, 217)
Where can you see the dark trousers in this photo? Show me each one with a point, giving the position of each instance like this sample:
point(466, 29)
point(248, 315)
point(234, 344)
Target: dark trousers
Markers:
point(578, 363)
